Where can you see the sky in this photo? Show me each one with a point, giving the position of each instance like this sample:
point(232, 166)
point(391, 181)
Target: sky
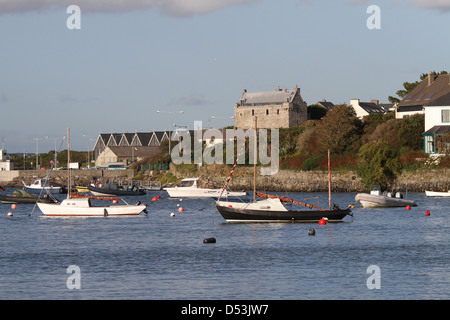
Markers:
point(131, 58)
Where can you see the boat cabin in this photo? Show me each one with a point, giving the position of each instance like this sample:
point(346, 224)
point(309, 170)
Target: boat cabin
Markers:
point(188, 183)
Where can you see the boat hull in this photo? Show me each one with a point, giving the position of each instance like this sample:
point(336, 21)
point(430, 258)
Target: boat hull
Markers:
point(271, 210)
point(14, 199)
point(437, 194)
point(380, 201)
point(58, 210)
point(202, 193)
point(101, 192)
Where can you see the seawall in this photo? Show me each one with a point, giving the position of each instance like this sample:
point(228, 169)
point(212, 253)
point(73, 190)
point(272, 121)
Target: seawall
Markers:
point(283, 181)
point(315, 181)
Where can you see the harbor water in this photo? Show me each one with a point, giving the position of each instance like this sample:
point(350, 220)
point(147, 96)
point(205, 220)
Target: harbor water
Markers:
point(378, 254)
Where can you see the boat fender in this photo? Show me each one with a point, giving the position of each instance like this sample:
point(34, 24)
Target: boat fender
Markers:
point(105, 212)
point(209, 240)
point(138, 203)
point(311, 232)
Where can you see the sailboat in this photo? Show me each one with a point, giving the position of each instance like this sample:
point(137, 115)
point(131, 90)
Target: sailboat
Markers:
point(82, 206)
point(272, 209)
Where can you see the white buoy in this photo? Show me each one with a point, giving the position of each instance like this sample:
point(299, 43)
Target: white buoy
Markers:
point(10, 214)
point(172, 214)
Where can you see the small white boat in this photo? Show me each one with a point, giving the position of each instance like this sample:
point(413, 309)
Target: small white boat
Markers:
point(188, 188)
point(437, 194)
point(377, 200)
point(41, 184)
point(82, 207)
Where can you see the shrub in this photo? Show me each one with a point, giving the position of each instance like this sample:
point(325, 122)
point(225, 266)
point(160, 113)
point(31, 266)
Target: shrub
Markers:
point(378, 164)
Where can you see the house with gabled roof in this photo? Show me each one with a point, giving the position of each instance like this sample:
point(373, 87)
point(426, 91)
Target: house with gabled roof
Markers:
point(124, 154)
point(434, 90)
point(363, 109)
point(431, 97)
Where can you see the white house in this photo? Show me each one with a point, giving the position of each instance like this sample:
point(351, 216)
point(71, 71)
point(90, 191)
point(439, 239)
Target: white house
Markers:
point(365, 108)
point(437, 130)
point(432, 98)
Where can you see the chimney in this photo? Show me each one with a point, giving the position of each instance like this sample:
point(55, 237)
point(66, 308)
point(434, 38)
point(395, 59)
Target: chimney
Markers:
point(376, 102)
point(430, 78)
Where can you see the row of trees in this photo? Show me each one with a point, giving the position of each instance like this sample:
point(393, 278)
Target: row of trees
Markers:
point(378, 147)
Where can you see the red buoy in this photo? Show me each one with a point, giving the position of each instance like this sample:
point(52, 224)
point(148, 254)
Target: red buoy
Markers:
point(427, 213)
point(230, 206)
point(158, 196)
point(154, 199)
point(115, 201)
point(180, 209)
point(408, 207)
point(322, 222)
point(14, 207)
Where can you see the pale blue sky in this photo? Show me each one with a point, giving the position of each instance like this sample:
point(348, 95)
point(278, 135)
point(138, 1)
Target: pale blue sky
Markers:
point(132, 58)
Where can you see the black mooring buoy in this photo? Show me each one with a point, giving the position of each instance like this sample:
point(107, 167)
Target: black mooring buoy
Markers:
point(209, 240)
point(311, 232)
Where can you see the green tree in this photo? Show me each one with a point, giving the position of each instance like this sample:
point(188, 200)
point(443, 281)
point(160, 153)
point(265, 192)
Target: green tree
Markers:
point(378, 164)
point(338, 130)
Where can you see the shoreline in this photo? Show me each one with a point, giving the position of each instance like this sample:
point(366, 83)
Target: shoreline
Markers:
point(242, 179)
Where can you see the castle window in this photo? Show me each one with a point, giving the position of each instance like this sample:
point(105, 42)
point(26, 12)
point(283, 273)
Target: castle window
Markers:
point(267, 111)
point(278, 111)
point(253, 112)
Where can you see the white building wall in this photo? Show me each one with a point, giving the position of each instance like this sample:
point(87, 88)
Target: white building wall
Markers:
point(433, 116)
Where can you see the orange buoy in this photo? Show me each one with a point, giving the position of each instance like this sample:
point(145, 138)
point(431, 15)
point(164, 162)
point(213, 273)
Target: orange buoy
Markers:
point(154, 199)
point(322, 222)
point(408, 207)
point(427, 213)
point(180, 209)
point(230, 206)
point(14, 207)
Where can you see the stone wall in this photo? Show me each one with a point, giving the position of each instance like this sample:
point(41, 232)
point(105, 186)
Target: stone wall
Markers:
point(314, 181)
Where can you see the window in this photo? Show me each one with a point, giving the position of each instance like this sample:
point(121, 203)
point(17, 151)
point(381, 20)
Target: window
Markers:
point(446, 115)
point(253, 112)
point(278, 111)
point(267, 111)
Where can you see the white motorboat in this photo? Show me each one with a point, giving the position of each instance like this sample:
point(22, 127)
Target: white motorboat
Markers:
point(375, 199)
point(188, 188)
point(437, 194)
point(41, 184)
point(83, 207)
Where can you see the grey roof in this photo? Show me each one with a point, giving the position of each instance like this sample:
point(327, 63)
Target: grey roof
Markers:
point(370, 107)
point(326, 104)
point(267, 98)
point(438, 130)
point(434, 91)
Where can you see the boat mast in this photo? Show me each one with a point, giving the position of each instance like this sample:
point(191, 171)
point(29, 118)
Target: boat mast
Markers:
point(68, 161)
point(254, 163)
point(329, 180)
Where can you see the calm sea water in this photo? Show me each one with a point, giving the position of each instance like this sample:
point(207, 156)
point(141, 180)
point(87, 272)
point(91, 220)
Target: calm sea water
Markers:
point(162, 257)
